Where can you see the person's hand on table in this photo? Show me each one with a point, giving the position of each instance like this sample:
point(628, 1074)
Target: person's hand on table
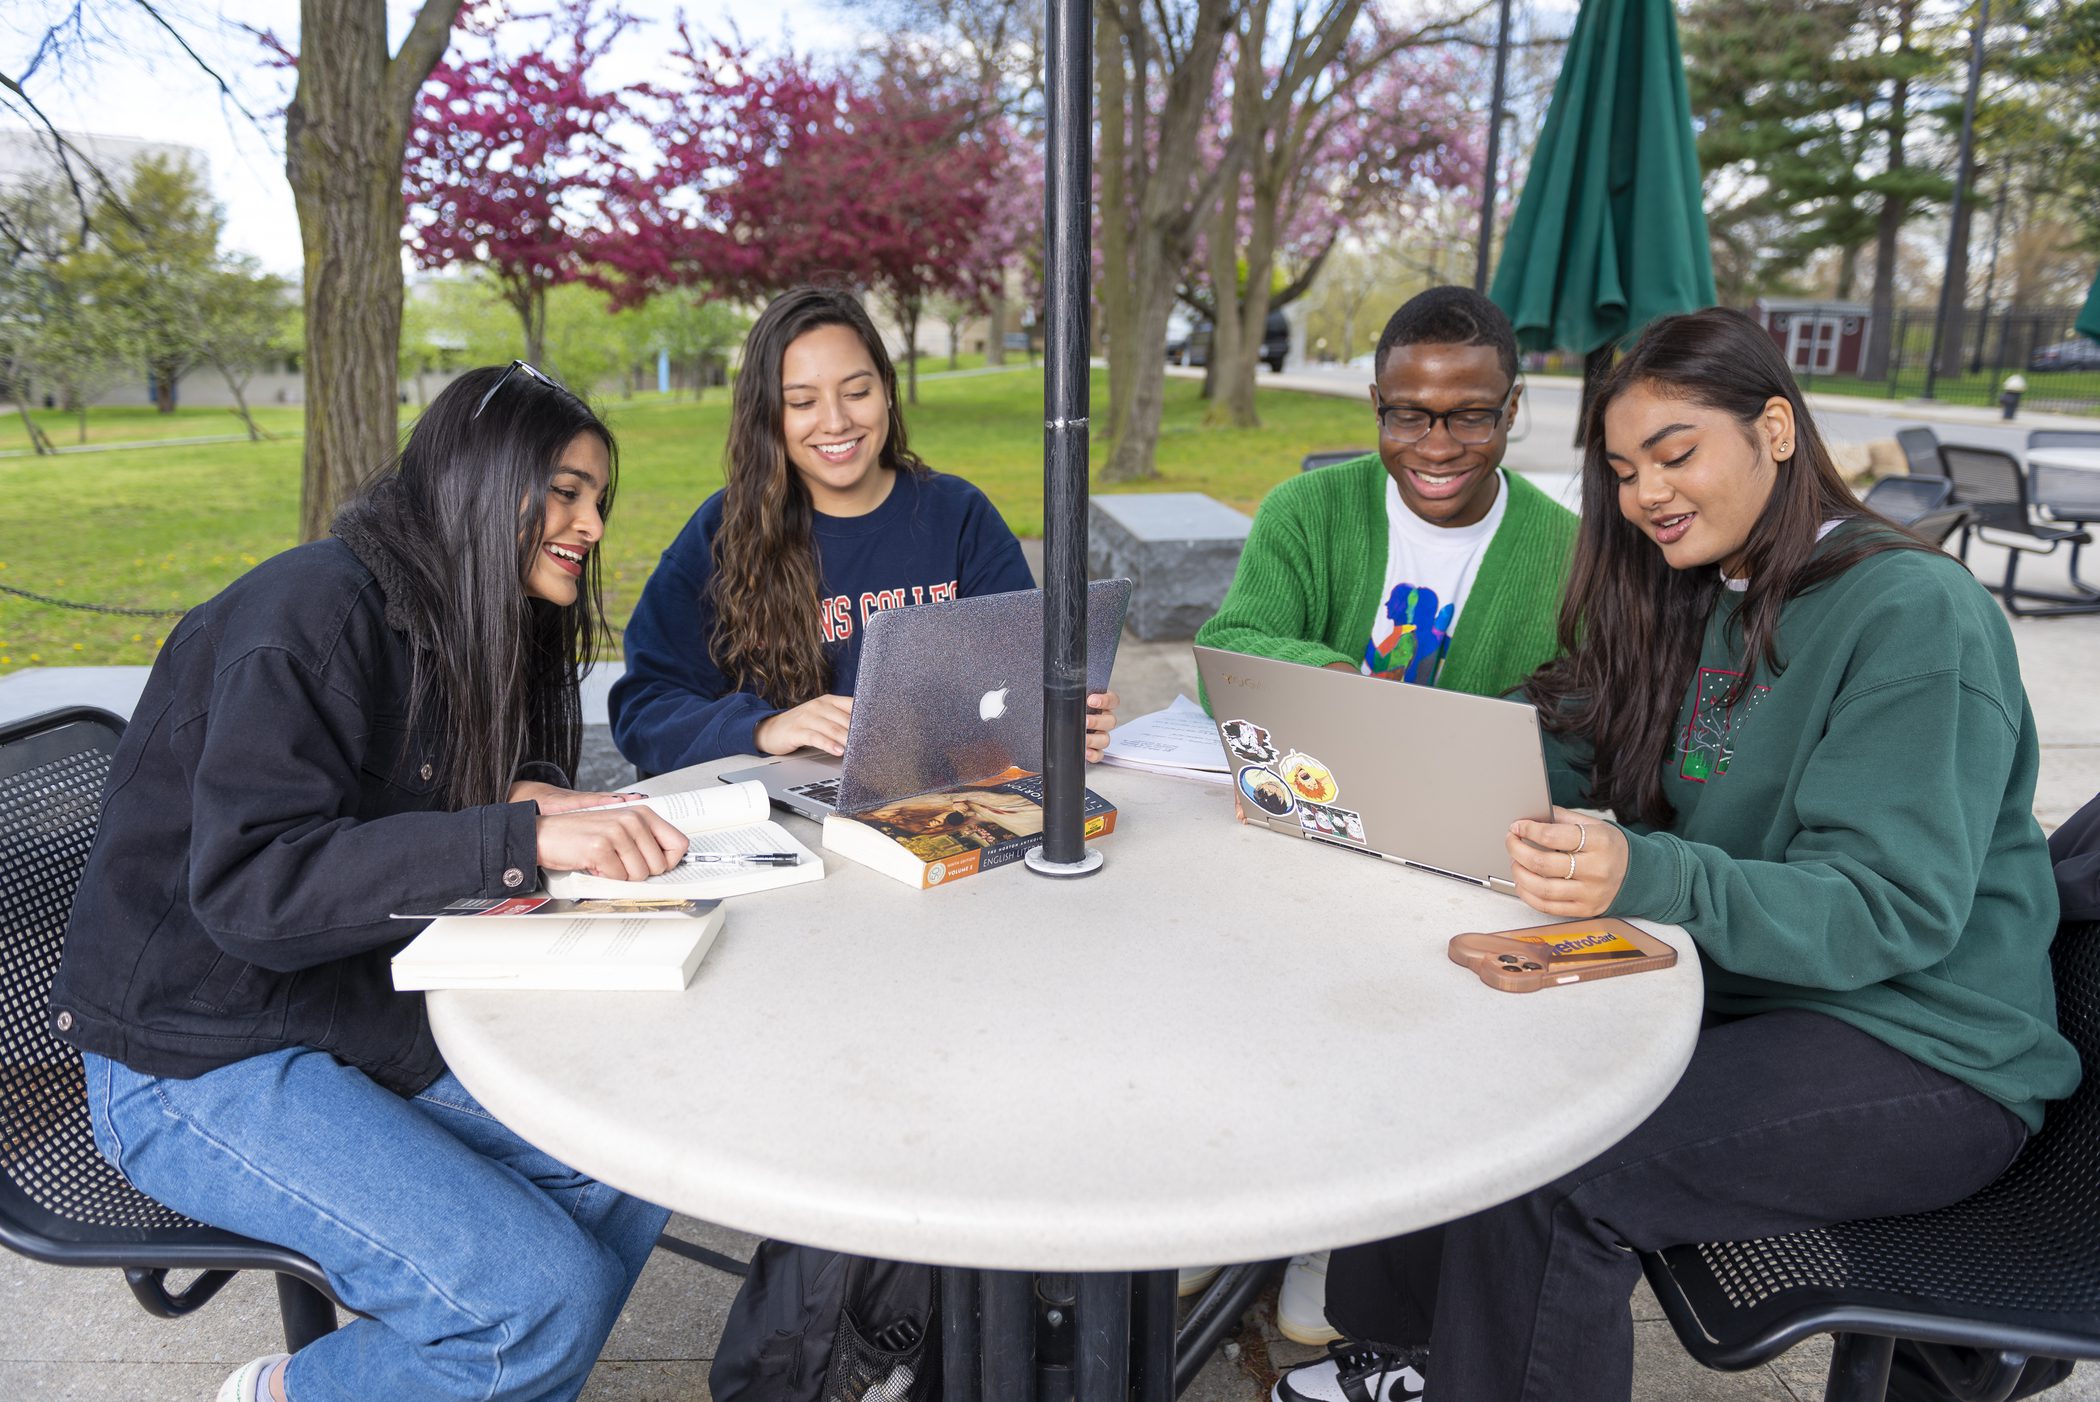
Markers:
point(820, 723)
point(1100, 719)
point(557, 800)
point(627, 844)
point(1571, 867)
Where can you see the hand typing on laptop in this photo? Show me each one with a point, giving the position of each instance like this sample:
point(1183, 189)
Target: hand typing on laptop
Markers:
point(820, 723)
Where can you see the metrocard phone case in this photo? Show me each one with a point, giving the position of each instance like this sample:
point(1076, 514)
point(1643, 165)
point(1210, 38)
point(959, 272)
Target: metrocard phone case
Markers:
point(1570, 951)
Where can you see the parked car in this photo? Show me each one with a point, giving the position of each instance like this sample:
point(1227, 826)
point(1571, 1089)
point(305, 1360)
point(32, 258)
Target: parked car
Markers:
point(2078, 353)
point(1275, 344)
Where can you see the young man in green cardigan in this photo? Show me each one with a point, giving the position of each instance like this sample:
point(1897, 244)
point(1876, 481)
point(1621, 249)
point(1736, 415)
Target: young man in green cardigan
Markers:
point(1428, 562)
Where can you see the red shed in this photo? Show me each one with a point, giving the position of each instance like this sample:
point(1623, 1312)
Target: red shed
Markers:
point(1816, 337)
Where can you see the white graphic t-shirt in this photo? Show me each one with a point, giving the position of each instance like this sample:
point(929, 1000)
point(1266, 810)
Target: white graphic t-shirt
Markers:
point(1428, 572)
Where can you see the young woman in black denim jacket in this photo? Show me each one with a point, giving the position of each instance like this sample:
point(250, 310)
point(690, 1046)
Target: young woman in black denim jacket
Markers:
point(377, 722)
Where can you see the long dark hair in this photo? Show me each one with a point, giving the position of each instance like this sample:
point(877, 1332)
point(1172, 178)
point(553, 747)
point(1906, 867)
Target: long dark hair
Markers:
point(1630, 626)
point(768, 635)
point(457, 518)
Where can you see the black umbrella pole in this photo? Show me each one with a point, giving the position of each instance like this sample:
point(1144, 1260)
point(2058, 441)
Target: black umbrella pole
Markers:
point(1068, 79)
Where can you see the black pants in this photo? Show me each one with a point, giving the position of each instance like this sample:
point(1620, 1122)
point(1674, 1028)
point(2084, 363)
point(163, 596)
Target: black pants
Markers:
point(1783, 1121)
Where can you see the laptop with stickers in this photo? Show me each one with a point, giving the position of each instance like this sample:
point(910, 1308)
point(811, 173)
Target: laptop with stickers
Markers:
point(1428, 778)
point(947, 694)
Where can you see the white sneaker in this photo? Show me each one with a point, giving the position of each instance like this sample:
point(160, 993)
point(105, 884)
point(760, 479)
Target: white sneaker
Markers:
point(1193, 1279)
point(1301, 1306)
point(1354, 1372)
point(246, 1384)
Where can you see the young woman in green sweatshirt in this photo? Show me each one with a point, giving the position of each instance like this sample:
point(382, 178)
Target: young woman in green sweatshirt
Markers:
point(1811, 731)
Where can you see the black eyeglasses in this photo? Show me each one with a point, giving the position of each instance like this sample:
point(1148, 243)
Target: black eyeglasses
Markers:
point(531, 373)
point(1469, 426)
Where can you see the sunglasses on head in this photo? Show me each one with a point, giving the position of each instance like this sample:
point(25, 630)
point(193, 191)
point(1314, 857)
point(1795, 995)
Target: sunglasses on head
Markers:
point(531, 372)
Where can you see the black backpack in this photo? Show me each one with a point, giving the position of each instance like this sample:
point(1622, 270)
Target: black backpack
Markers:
point(818, 1326)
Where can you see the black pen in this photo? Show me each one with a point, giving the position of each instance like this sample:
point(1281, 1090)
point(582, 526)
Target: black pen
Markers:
point(766, 859)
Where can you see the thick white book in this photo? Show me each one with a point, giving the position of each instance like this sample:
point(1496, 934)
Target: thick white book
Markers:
point(525, 953)
point(730, 833)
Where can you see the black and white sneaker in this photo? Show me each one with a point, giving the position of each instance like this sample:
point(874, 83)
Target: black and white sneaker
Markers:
point(1354, 1372)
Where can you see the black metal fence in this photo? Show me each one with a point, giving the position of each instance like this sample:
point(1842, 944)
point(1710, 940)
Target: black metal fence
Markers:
point(1830, 346)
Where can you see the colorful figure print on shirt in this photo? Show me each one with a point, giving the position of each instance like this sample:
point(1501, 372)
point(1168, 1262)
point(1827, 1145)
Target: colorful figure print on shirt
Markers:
point(1412, 639)
point(1708, 742)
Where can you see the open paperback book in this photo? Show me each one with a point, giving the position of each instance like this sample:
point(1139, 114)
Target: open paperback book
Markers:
point(1181, 741)
point(526, 953)
point(724, 823)
point(947, 834)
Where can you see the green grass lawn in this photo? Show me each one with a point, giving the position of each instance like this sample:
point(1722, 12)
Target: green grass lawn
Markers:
point(165, 528)
point(142, 423)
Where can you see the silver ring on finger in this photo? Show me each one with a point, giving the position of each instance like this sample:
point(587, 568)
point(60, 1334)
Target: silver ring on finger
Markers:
point(1582, 836)
point(1571, 867)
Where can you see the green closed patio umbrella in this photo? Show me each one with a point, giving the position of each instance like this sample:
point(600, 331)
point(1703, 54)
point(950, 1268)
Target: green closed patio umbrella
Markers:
point(1610, 232)
point(2089, 319)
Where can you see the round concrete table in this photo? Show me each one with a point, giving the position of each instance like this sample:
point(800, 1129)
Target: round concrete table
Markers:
point(2065, 484)
point(2076, 459)
point(1229, 1045)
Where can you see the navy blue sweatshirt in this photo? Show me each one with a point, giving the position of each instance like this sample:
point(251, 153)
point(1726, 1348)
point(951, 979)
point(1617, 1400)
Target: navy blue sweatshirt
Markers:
point(933, 538)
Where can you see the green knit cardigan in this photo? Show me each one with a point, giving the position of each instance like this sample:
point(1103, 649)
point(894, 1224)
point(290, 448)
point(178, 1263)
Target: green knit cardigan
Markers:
point(1314, 568)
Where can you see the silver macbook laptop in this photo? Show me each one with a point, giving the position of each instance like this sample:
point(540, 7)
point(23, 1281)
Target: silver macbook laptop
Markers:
point(947, 694)
point(1425, 777)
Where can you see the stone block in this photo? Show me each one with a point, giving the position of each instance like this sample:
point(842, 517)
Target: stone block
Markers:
point(1178, 549)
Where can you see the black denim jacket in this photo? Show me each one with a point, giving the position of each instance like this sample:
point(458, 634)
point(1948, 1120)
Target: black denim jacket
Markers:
point(269, 806)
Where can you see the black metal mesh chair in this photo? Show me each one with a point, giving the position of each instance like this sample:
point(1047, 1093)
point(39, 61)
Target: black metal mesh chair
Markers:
point(1921, 451)
point(1330, 458)
point(1922, 504)
point(60, 1200)
point(2013, 1271)
point(1994, 488)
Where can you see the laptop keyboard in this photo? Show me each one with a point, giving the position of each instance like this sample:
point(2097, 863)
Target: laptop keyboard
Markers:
point(825, 791)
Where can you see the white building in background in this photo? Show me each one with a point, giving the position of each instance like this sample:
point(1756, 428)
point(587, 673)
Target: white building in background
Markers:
point(27, 155)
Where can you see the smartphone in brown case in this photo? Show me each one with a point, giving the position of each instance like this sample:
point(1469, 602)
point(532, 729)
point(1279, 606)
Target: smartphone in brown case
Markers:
point(1570, 951)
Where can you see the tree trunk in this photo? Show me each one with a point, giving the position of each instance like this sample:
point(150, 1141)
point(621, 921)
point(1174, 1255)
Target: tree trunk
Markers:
point(1848, 272)
point(1895, 209)
point(909, 309)
point(344, 134)
point(1224, 247)
point(40, 441)
point(995, 338)
point(954, 324)
point(240, 401)
point(1163, 211)
point(1115, 299)
point(163, 389)
point(1957, 277)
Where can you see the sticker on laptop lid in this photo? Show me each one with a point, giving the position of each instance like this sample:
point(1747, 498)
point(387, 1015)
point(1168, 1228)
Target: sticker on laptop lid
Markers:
point(1309, 779)
point(1322, 821)
point(1249, 741)
point(1266, 790)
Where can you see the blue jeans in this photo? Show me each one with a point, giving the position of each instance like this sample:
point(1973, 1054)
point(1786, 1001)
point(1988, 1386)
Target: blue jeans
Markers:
point(487, 1270)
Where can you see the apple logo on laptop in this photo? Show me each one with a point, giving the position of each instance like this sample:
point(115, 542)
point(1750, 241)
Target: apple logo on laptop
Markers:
point(992, 705)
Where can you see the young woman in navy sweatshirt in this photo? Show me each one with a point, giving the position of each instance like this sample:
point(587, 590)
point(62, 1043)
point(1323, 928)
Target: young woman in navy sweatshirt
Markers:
point(747, 636)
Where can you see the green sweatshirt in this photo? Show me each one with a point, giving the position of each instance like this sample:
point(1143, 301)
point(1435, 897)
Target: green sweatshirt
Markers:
point(1856, 835)
point(1313, 572)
